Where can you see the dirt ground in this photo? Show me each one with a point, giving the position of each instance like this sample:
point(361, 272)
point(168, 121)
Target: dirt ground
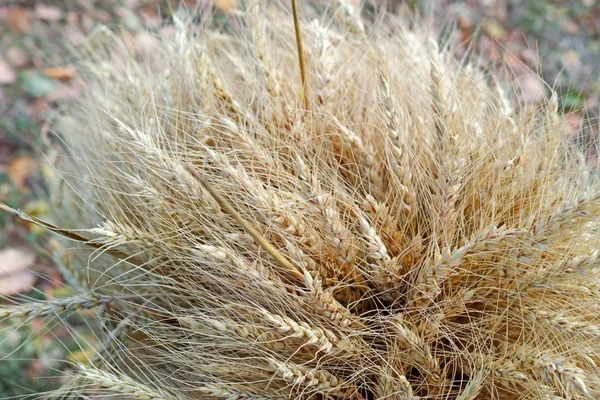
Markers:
point(558, 40)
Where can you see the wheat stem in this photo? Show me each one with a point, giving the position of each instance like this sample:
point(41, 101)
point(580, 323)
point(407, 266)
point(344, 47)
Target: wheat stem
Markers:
point(298, 32)
point(256, 235)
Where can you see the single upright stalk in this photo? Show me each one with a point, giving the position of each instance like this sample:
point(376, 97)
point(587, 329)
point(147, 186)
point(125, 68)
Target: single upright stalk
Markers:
point(300, 54)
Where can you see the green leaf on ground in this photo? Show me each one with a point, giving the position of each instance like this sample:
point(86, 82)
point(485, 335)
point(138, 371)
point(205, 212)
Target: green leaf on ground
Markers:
point(571, 100)
point(35, 84)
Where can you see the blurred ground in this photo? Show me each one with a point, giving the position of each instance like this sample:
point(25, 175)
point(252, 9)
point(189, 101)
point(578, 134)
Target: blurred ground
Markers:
point(559, 39)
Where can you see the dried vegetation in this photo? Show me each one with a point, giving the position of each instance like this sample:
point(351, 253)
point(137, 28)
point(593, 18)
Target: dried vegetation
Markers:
point(395, 229)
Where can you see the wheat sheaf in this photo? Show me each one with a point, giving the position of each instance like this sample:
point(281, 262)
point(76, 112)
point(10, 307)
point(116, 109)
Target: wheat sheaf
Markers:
point(392, 225)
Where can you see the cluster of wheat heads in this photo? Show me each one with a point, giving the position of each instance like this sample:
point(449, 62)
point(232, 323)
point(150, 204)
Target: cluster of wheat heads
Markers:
point(405, 233)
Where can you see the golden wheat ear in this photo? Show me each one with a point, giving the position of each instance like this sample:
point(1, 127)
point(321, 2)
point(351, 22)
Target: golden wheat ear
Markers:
point(72, 234)
point(252, 231)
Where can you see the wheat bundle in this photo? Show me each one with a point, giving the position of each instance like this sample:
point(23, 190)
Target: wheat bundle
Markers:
point(395, 227)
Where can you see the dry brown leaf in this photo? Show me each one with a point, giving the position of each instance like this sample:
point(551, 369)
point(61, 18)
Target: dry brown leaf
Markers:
point(150, 17)
point(101, 16)
point(7, 74)
point(225, 5)
point(19, 169)
point(13, 261)
point(19, 20)
point(39, 106)
point(17, 283)
point(464, 22)
point(66, 72)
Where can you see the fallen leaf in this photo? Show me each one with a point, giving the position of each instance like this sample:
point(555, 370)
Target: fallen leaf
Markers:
point(17, 57)
point(573, 123)
point(74, 35)
point(464, 22)
point(571, 100)
point(150, 17)
point(7, 74)
point(144, 42)
point(64, 91)
point(225, 5)
point(35, 369)
point(569, 26)
point(19, 20)
point(494, 29)
point(168, 31)
point(62, 291)
point(72, 18)
point(37, 208)
point(47, 13)
point(98, 16)
point(532, 87)
point(66, 72)
point(88, 23)
point(489, 48)
point(4, 191)
point(35, 84)
point(18, 283)
point(128, 18)
point(13, 261)
point(530, 56)
point(81, 356)
point(515, 64)
point(19, 169)
point(572, 61)
point(38, 106)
